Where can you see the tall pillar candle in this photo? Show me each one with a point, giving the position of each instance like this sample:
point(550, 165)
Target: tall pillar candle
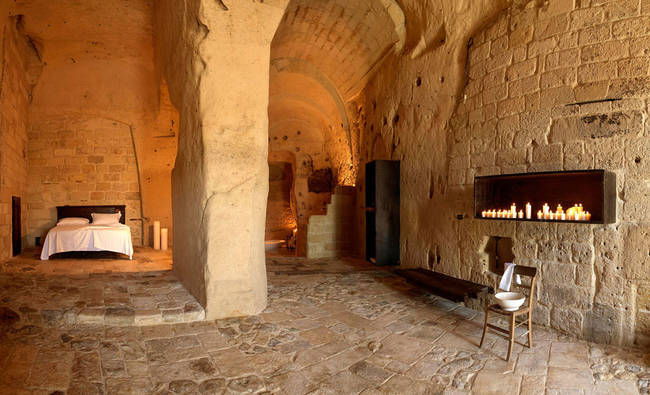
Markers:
point(163, 239)
point(156, 235)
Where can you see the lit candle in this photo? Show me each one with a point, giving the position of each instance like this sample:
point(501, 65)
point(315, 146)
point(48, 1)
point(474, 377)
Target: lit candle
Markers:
point(545, 210)
point(559, 208)
point(529, 211)
point(521, 214)
point(551, 215)
point(583, 216)
point(539, 214)
point(513, 210)
point(588, 216)
point(163, 239)
point(483, 214)
point(563, 216)
point(156, 235)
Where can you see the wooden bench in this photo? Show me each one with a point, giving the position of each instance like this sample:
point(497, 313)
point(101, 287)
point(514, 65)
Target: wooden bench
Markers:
point(448, 287)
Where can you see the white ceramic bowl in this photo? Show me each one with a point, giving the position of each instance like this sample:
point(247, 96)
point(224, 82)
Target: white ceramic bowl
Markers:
point(510, 301)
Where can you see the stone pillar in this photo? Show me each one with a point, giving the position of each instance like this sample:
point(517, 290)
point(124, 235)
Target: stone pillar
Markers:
point(215, 57)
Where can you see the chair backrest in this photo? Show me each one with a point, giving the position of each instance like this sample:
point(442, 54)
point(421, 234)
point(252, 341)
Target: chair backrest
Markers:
point(527, 271)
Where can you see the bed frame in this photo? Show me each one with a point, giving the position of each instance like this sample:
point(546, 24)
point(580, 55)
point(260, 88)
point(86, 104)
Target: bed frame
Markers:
point(85, 211)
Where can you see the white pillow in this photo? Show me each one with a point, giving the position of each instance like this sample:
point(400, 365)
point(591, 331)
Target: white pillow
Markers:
point(106, 219)
point(73, 221)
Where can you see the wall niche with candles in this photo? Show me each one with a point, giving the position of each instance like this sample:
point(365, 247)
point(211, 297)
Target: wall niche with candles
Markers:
point(581, 196)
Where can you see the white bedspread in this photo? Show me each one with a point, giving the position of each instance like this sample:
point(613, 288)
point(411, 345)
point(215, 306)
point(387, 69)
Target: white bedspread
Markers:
point(88, 237)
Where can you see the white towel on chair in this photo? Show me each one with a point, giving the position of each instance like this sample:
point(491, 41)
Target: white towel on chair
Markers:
point(506, 279)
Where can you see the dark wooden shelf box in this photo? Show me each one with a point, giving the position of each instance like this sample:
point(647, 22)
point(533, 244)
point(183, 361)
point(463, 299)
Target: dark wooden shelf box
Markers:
point(594, 189)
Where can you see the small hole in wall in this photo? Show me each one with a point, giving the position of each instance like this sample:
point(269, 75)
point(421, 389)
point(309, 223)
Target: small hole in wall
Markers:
point(433, 258)
point(498, 251)
point(637, 160)
point(396, 119)
point(418, 81)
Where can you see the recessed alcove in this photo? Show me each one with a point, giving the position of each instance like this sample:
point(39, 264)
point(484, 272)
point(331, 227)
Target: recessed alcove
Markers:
point(498, 251)
point(593, 189)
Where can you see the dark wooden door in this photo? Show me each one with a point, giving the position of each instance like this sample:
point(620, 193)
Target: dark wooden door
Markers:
point(382, 212)
point(15, 225)
point(371, 232)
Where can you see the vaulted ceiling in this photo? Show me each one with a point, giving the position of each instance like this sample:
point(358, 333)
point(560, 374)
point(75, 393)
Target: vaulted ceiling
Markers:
point(322, 56)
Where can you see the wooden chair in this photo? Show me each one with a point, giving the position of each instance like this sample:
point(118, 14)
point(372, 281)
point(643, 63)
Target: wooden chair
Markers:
point(525, 271)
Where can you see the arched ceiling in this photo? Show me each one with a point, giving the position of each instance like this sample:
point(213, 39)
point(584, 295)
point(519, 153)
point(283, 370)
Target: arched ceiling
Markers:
point(323, 55)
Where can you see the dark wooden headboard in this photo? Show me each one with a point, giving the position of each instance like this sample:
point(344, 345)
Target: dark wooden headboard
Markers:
point(85, 211)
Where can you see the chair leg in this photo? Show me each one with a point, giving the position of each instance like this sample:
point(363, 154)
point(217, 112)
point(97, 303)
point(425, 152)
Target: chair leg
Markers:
point(485, 327)
point(512, 336)
point(530, 331)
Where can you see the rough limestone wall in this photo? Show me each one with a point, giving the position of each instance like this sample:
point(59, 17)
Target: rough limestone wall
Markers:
point(100, 109)
point(401, 115)
point(220, 179)
point(157, 147)
point(79, 160)
point(329, 235)
point(14, 101)
point(522, 70)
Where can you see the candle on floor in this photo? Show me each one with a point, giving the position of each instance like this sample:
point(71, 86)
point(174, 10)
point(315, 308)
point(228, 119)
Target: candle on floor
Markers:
point(563, 217)
point(587, 215)
point(521, 214)
point(156, 235)
point(513, 210)
point(163, 239)
point(539, 214)
point(529, 211)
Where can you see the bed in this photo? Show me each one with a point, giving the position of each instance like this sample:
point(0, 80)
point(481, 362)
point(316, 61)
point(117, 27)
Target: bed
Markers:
point(88, 237)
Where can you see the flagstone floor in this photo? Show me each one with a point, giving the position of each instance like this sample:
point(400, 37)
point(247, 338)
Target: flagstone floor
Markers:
point(331, 327)
point(96, 289)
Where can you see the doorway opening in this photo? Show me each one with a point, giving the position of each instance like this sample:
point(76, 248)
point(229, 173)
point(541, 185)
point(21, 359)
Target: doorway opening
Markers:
point(16, 228)
point(281, 220)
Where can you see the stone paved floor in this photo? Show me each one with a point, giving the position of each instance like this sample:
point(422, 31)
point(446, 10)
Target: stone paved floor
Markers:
point(332, 327)
point(96, 290)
